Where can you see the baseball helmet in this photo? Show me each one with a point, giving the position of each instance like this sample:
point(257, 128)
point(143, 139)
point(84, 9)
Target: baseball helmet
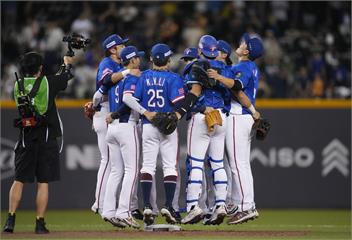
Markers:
point(208, 46)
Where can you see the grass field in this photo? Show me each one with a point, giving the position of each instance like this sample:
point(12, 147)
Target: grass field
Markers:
point(272, 224)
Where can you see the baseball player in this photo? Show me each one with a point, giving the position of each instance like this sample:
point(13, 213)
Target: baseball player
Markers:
point(225, 52)
point(108, 68)
point(189, 56)
point(202, 138)
point(159, 90)
point(122, 138)
point(109, 73)
point(240, 122)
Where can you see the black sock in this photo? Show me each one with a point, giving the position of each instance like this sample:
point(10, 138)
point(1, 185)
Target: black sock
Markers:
point(170, 186)
point(146, 184)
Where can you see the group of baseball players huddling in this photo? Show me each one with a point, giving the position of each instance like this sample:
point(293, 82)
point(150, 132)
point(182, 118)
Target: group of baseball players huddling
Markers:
point(132, 108)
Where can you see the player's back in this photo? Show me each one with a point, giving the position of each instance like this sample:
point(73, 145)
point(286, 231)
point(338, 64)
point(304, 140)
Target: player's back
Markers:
point(158, 90)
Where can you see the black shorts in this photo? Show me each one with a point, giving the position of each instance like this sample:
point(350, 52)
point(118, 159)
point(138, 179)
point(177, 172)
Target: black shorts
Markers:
point(37, 159)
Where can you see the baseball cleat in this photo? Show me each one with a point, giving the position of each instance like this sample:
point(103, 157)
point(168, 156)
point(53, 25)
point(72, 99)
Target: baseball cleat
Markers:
point(231, 210)
point(206, 219)
point(242, 217)
point(169, 214)
point(131, 222)
point(178, 217)
point(148, 216)
point(40, 226)
point(193, 216)
point(10, 223)
point(116, 222)
point(137, 214)
point(218, 215)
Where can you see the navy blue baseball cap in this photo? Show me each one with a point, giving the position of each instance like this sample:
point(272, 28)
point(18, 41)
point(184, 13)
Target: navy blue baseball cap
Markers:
point(161, 52)
point(225, 47)
point(208, 46)
point(113, 40)
point(254, 46)
point(130, 52)
point(190, 52)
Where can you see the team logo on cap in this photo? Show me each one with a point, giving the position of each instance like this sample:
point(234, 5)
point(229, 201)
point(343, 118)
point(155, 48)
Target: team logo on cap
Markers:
point(128, 56)
point(213, 48)
point(111, 44)
point(168, 53)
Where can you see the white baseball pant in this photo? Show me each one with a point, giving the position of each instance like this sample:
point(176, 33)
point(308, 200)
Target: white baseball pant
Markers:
point(100, 127)
point(153, 142)
point(238, 146)
point(199, 141)
point(123, 144)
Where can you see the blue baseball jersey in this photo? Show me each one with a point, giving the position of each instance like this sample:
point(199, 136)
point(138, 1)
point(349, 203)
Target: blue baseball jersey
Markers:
point(106, 66)
point(126, 85)
point(248, 74)
point(159, 91)
point(211, 97)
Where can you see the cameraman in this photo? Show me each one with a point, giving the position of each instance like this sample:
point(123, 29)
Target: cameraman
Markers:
point(37, 150)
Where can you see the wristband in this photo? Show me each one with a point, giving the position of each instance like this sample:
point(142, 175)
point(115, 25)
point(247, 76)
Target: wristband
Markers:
point(115, 115)
point(125, 72)
point(252, 109)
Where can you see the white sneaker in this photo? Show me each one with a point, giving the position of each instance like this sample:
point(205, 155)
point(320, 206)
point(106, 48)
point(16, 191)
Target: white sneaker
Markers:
point(218, 215)
point(116, 222)
point(130, 221)
point(193, 216)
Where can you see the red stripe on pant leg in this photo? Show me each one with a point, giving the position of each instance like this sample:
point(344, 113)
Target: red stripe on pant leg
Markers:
point(102, 178)
point(136, 173)
point(234, 155)
point(190, 137)
point(177, 153)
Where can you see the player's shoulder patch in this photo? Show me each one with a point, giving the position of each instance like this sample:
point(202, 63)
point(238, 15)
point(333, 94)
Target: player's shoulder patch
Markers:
point(238, 74)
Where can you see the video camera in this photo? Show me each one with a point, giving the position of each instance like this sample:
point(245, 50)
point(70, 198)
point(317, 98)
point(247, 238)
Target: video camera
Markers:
point(75, 41)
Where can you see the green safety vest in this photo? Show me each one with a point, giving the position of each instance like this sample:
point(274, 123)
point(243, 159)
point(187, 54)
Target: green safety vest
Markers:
point(41, 100)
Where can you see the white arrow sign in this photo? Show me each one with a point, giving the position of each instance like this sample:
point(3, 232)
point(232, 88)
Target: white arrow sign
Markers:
point(335, 156)
point(335, 145)
point(336, 165)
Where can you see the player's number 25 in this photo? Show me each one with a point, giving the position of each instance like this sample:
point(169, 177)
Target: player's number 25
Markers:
point(155, 98)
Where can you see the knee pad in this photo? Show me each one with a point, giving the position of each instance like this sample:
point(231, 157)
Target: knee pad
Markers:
point(196, 168)
point(218, 170)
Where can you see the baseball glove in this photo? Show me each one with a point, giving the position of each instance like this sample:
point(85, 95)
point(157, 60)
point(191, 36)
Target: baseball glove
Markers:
point(262, 128)
point(166, 122)
point(213, 118)
point(89, 110)
point(199, 74)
